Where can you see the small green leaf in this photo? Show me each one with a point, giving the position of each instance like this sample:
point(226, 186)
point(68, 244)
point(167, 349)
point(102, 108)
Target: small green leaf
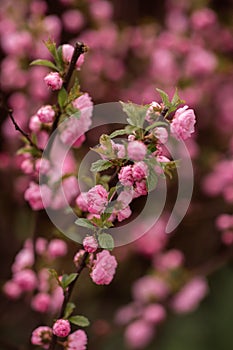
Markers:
point(117, 133)
point(85, 223)
point(111, 192)
point(136, 113)
point(106, 241)
point(62, 97)
point(79, 320)
point(164, 97)
point(100, 165)
point(68, 279)
point(152, 178)
point(176, 100)
point(69, 309)
point(155, 125)
point(44, 63)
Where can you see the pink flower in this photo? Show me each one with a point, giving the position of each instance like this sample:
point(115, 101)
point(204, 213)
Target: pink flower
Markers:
point(73, 21)
point(23, 259)
point(81, 201)
point(42, 336)
point(27, 166)
point(67, 52)
point(77, 341)
point(154, 106)
point(148, 288)
point(136, 150)
point(35, 193)
point(34, 123)
point(56, 248)
point(182, 125)
point(12, 290)
point(171, 259)
point(189, 297)
point(26, 280)
point(90, 244)
point(61, 328)
point(42, 165)
point(78, 257)
point(140, 189)
point(97, 199)
point(126, 176)
point(161, 134)
point(124, 214)
point(139, 334)
point(54, 81)
point(41, 245)
point(139, 171)
point(41, 302)
point(46, 114)
point(104, 268)
point(154, 313)
point(101, 10)
point(224, 221)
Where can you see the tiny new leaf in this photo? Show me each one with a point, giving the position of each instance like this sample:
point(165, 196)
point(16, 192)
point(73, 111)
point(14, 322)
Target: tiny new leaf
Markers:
point(44, 63)
point(79, 320)
point(100, 165)
point(106, 241)
point(136, 113)
point(62, 97)
point(69, 309)
point(68, 279)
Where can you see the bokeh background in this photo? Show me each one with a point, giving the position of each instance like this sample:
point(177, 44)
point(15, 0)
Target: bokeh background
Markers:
point(135, 46)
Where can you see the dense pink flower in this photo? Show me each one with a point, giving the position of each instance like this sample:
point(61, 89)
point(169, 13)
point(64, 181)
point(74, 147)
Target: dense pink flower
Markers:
point(56, 248)
point(124, 214)
point(140, 189)
point(136, 150)
point(182, 125)
point(67, 52)
point(104, 268)
point(77, 341)
point(26, 279)
point(42, 336)
point(154, 313)
point(54, 81)
point(41, 302)
point(35, 193)
point(189, 297)
point(125, 176)
point(46, 114)
point(97, 199)
point(81, 201)
point(12, 289)
point(139, 171)
point(139, 334)
point(90, 244)
point(61, 328)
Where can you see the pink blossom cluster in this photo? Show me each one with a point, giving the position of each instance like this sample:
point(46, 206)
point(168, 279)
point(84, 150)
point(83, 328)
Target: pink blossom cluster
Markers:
point(135, 177)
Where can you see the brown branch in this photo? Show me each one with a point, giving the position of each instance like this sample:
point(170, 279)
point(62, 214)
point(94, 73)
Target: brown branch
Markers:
point(67, 296)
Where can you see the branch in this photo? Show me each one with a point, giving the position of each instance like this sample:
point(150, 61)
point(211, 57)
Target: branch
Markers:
point(67, 295)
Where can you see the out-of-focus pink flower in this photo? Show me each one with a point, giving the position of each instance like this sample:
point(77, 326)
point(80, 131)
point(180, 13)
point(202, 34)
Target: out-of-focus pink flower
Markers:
point(42, 336)
point(23, 259)
point(139, 171)
point(169, 260)
point(97, 199)
point(154, 313)
point(77, 340)
point(42, 166)
point(189, 297)
point(148, 288)
point(203, 18)
point(81, 201)
point(200, 62)
point(73, 20)
point(35, 193)
point(57, 298)
point(127, 313)
point(136, 150)
point(56, 248)
point(27, 166)
point(139, 334)
point(78, 257)
point(90, 244)
point(46, 114)
point(54, 81)
point(26, 279)
point(227, 237)
point(67, 52)
point(161, 134)
point(41, 245)
point(12, 289)
point(35, 123)
point(182, 125)
point(101, 10)
point(61, 328)
point(104, 268)
point(41, 302)
point(224, 221)
point(126, 176)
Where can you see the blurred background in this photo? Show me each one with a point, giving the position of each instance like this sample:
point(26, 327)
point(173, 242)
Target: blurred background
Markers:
point(134, 47)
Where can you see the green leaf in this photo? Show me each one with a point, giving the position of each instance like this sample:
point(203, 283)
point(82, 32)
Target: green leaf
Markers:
point(136, 113)
point(164, 97)
point(111, 192)
point(59, 58)
point(69, 309)
point(100, 165)
point(117, 133)
point(85, 223)
point(106, 241)
point(55, 275)
point(68, 279)
point(51, 46)
point(79, 320)
point(152, 178)
point(62, 97)
point(176, 100)
point(44, 63)
point(155, 125)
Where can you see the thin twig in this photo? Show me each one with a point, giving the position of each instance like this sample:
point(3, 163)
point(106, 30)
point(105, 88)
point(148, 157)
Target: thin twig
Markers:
point(67, 295)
